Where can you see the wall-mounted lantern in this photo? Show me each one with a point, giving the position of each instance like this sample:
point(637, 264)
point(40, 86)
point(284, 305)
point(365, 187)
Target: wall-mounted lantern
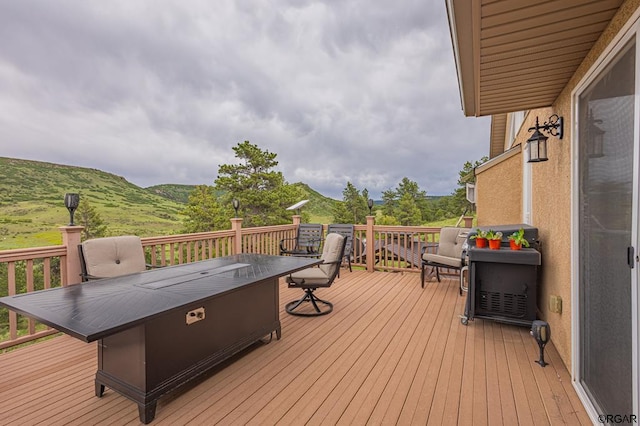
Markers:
point(537, 143)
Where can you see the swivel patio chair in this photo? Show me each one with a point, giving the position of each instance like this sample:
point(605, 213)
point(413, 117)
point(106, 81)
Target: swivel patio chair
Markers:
point(307, 242)
point(449, 253)
point(111, 257)
point(311, 279)
point(347, 231)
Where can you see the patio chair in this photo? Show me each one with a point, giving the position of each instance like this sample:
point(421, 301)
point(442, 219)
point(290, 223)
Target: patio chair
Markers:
point(311, 279)
point(449, 253)
point(111, 257)
point(347, 231)
point(306, 243)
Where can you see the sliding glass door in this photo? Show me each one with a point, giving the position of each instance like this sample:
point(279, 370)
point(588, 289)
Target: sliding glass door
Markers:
point(607, 170)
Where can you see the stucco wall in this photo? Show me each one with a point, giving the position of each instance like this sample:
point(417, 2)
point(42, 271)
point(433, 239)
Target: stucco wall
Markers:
point(551, 195)
point(551, 214)
point(499, 190)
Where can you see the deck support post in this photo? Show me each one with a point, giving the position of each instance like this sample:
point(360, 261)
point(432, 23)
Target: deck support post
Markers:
point(236, 225)
point(370, 249)
point(71, 236)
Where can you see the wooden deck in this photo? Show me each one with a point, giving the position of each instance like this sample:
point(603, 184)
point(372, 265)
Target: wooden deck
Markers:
point(390, 353)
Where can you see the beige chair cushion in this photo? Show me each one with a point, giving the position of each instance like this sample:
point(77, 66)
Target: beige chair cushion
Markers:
point(455, 262)
point(322, 274)
point(451, 241)
point(331, 253)
point(450, 247)
point(113, 256)
point(310, 276)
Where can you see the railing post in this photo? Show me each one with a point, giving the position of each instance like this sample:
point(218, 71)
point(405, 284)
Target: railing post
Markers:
point(236, 225)
point(71, 236)
point(371, 220)
point(468, 221)
point(296, 219)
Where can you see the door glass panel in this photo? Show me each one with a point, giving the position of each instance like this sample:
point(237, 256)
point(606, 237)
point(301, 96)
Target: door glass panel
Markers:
point(606, 114)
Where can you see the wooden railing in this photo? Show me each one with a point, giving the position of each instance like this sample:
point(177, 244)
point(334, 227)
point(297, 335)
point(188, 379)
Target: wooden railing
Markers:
point(382, 248)
point(24, 271)
point(187, 248)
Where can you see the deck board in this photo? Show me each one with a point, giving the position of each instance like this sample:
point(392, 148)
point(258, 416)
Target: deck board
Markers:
point(390, 353)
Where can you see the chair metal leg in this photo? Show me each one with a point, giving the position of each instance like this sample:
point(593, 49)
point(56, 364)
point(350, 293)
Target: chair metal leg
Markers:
point(314, 300)
point(293, 305)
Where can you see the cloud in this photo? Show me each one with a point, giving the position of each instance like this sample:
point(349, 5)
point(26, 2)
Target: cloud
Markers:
point(160, 91)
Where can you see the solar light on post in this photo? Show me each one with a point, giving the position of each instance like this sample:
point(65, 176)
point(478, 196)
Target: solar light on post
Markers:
point(71, 202)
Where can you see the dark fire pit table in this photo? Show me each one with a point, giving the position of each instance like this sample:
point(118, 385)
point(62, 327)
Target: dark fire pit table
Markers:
point(159, 329)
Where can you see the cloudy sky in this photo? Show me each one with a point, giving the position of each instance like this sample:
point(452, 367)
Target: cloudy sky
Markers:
point(159, 91)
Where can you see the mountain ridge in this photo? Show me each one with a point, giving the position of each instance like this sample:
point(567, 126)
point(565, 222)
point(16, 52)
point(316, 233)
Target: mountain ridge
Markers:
point(32, 202)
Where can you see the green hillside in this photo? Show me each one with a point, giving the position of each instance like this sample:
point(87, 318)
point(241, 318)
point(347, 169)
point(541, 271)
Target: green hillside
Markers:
point(319, 207)
point(175, 192)
point(32, 203)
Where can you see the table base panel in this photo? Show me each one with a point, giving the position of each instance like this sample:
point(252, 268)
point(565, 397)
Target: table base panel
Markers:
point(150, 360)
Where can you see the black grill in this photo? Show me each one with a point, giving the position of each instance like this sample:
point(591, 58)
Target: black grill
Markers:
point(512, 305)
point(503, 283)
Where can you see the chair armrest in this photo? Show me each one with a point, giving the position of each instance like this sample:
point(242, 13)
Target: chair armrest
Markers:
point(292, 280)
point(87, 277)
point(314, 243)
point(150, 266)
point(424, 248)
point(282, 241)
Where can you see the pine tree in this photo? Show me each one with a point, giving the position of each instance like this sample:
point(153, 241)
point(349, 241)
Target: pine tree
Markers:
point(87, 216)
point(354, 208)
point(203, 213)
point(263, 193)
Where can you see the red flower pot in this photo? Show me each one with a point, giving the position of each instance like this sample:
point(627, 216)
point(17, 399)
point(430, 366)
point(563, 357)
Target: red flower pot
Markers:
point(495, 244)
point(514, 246)
point(481, 242)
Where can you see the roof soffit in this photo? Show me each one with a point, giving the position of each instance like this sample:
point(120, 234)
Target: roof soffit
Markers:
point(514, 55)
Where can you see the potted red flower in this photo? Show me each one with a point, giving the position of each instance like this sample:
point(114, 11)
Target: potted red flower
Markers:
point(481, 238)
point(517, 240)
point(495, 239)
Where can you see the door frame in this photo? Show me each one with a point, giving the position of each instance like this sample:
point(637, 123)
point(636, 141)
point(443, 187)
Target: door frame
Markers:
point(630, 31)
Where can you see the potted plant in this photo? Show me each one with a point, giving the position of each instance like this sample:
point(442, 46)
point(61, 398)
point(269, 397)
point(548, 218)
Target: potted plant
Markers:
point(481, 238)
point(495, 239)
point(517, 240)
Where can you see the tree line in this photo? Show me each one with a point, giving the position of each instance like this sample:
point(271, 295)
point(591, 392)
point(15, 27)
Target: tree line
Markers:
point(264, 195)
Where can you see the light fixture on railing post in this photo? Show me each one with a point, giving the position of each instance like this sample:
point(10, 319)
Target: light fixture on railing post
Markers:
point(370, 205)
point(236, 205)
point(71, 202)
point(595, 137)
point(537, 143)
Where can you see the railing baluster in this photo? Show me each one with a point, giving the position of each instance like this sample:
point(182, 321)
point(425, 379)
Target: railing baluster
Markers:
point(13, 317)
point(46, 272)
point(30, 288)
